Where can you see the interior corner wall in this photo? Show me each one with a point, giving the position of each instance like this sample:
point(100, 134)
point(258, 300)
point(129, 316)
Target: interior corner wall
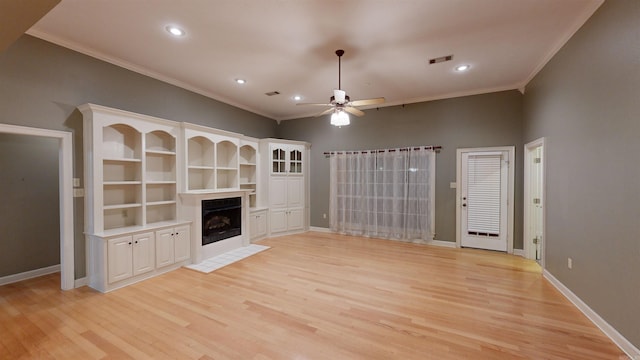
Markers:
point(41, 84)
point(493, 119)
point(585, 101)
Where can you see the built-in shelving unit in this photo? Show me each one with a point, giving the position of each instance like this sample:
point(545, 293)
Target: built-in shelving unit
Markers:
point(122, 176)
point(200, 163)
point(249, 172)
point(214, 159)
point(146, 179)
point(160, 176)
point(226, 165)
point(131, 179)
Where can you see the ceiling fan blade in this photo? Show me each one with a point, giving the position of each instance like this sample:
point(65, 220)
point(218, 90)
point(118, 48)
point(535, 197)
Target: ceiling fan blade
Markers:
point(339, 95)
point(324, 112)
point(366, 102)
point(314, 104)
point(353, 111)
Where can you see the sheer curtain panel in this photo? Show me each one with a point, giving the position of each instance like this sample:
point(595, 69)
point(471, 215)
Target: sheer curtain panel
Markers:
point(386, 194)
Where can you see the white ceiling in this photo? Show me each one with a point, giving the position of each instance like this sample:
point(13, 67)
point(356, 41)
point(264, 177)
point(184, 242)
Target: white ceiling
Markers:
point(289, 45)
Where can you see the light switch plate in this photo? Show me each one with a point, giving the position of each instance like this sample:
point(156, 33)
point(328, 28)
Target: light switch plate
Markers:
point(78, 192)
point(453, 185)
point(76, 182)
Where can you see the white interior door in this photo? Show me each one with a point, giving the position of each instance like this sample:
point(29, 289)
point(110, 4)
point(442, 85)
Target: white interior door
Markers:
point(484, 199)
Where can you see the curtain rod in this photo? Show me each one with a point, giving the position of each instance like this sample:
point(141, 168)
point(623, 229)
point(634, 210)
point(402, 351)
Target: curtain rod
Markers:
point(434, 148)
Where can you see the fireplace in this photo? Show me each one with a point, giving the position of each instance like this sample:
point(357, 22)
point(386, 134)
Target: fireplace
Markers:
point(221, 219)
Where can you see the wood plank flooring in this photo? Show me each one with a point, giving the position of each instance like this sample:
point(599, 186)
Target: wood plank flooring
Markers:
point(311, 296)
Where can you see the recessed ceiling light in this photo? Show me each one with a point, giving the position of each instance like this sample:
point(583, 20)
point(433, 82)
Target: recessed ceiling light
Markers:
point(297, 98)
point(175, 31)
point(241, 81)
point(461, 68)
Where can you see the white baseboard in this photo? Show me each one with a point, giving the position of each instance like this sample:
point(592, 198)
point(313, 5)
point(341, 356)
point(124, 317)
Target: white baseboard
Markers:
point(81, 282)
point(29, 274)
point(443, 243)
point(449, 244)
point(518, 252)
point(319, 229)
point(613, 334)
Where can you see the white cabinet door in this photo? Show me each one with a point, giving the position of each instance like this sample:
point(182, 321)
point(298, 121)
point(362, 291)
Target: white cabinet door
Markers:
point(120, 258)
point(182, 243)
point(165, 251)
point(262, 225)
point(258, 224)
point(278, 192)
point(295, 191)
point(278, 221)
point(295, 219)
point(143, 253)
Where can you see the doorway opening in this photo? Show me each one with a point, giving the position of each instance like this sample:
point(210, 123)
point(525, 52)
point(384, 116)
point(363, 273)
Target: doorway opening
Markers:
point(65, 171)
point(534, 201)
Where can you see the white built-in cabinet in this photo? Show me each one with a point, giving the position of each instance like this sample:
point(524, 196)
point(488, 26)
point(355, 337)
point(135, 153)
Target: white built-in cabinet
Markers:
point(258, 226)
point(131, 187)
point(145, 177)
point(216, 160)
point(287, 185)
point(249, 169)
point(172, 245)
point(130, 255)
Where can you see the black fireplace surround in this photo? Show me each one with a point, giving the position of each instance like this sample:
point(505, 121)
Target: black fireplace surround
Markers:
point(221, 219)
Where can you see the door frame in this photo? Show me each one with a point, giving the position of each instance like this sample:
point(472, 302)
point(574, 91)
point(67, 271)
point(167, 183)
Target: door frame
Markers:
point(527, 233)
point(65, 188)
point(510, 189)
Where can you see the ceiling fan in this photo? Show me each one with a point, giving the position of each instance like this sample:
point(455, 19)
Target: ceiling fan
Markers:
point(340, 103)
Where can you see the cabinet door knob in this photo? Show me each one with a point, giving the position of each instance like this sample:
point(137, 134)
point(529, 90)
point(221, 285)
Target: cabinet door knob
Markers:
point(129, 242)
point(136, 241)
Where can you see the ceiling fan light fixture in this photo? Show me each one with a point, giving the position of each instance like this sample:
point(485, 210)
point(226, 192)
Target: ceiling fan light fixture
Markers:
point(340, 118)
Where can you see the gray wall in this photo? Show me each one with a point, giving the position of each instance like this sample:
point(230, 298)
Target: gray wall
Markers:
point(41, 84)
point(586, 102)
point(474, 121)
point(29, 210)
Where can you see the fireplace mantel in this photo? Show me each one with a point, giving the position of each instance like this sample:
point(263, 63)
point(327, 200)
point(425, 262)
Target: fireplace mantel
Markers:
point(192, 210)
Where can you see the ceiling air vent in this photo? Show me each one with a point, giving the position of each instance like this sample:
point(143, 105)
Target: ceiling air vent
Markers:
point(440, 59)
point(271, 93)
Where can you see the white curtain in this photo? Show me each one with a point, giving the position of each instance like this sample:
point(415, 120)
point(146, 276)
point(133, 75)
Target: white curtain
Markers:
point(384, 193)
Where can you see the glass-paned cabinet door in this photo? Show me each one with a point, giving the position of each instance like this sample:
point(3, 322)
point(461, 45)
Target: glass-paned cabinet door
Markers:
point(278, 161)
point(295, 161)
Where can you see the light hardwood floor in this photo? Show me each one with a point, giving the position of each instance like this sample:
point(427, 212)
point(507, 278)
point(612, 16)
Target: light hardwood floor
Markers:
point(311, 296)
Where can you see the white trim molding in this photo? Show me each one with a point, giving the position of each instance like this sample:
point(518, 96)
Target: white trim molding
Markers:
point(442, 243)
point(320, 229)
point(527, 232)
point(519, 252)
point(10, 279)
point(613, 334)
point(81, 282)
point(65, 174)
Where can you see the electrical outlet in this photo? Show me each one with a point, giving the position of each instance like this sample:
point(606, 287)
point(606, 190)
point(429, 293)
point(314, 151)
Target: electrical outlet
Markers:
point(324, 216)
point(570, 263)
